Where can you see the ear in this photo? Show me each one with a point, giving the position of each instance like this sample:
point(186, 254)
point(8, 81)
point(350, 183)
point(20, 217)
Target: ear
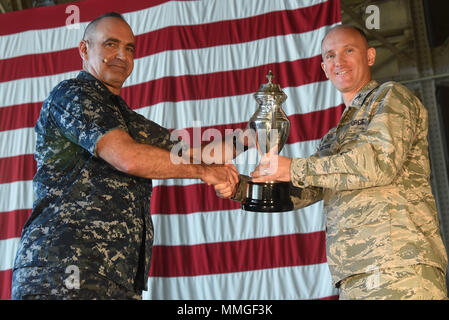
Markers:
point(371, 52)
point(323, 66)
point(82, 47)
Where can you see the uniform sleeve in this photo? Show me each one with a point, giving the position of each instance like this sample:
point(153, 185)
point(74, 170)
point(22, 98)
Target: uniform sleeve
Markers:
point(372, 157)
point(146, 131)
point(83, 117)
point(240, 193)
point(303, 197)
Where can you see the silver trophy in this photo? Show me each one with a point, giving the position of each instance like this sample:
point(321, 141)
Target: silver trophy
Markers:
point(271, 128)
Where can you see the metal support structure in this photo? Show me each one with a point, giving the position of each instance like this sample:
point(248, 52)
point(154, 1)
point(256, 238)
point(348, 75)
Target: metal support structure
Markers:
point(2, 8)
point(440, 183)
point(355, 17)
point(437, 76)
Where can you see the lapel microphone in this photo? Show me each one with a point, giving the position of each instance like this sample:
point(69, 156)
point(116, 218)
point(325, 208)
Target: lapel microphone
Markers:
point(105, 60)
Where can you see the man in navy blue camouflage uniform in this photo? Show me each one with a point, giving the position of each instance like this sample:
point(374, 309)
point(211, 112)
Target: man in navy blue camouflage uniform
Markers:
point(90, 233)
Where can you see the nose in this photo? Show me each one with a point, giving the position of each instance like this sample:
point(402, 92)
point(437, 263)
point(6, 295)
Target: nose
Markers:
point(121, 53)
point(339, 60)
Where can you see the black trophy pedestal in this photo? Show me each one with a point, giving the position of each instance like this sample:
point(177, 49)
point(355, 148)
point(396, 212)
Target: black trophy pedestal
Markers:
point(268, 197)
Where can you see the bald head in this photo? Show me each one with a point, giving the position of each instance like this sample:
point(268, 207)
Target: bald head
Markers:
point(347, 59)
point(107, 50)
point(91, 28)
point(351, 29)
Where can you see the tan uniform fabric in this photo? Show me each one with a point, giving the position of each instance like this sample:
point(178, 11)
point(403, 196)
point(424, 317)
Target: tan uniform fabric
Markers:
point(415, 282)
point(372, 171)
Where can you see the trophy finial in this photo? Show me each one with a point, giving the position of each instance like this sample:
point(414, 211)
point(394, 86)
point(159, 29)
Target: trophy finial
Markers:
point(270, 76)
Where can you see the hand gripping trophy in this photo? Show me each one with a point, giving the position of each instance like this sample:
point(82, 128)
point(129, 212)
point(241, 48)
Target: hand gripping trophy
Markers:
point(271, 127)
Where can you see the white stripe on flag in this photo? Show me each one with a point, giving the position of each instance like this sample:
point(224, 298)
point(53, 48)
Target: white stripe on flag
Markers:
point(16, 195)
point(8, 249)
point(287, 283)
point(228, 57)
point(17, 142)
point(30, 90)
point(234, 225)
point(307, 98)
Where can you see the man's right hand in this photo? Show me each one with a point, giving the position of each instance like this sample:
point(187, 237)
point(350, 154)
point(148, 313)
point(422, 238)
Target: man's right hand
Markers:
point(226, 190)
point(220, 174)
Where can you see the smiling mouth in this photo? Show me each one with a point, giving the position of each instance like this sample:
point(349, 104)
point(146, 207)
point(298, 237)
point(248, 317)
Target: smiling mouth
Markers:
point(118, 66)
point(341, 72)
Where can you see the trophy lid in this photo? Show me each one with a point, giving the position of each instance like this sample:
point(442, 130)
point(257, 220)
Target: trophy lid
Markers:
point(270, 88)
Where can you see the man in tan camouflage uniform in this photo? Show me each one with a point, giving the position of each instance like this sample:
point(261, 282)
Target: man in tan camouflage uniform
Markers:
point(90, 233)
point(372, 171)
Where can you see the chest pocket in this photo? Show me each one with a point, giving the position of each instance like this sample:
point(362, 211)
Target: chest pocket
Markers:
point(352, 130)
point(343, 137)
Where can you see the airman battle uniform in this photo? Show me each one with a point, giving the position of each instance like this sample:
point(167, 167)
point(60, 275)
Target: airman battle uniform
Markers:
point(90, 223)
point(372, 171)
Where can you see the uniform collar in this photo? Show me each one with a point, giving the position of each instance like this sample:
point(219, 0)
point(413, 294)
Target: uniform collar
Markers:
point(86, 76)
point(360, 97)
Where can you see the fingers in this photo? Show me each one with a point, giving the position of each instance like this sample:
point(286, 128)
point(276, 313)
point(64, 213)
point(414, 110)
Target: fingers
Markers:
point(227, 189)
point(220, 174)
point(262, 174)
point(265, 168)
point(234, 174)
point(272, 168)
point(231, 167)
point(224, 190)
point(260, 171)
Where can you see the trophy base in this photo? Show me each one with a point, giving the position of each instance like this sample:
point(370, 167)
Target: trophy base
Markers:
point(268, 197)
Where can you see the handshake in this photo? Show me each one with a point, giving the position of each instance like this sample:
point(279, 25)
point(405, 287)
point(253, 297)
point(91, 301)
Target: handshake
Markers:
point(225, 178)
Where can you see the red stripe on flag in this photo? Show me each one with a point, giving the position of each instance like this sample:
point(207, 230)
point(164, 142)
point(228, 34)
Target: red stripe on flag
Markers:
point(204, 86)
point(303, 127)
point(313, 125)
point(239, 256)
point(18, 168)
point(182, 37)
point(5, 284)
point(40, 65)
point(191, 198)
point(239, 30)
point(329, 298)
point(222, 84)
point(56, 16)
point(12, 223)
point(19, 116)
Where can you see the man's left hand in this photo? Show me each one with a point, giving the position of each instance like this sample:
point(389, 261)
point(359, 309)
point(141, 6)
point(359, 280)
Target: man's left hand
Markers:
point(272, 168)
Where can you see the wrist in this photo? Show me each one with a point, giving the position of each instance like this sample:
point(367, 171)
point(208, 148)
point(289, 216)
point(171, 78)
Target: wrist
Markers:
point(201, 171)
point(240, 192)
point(298, 167)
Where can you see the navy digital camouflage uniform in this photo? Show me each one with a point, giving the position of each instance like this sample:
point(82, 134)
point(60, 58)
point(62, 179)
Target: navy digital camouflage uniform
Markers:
point(372, 171)
point(86, 214)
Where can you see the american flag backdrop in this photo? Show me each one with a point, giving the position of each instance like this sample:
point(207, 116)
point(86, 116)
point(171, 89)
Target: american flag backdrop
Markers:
point(198, 64)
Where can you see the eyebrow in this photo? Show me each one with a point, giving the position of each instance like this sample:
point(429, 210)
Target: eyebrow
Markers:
point(130, 44)
point(328, 51)
point(345, 46)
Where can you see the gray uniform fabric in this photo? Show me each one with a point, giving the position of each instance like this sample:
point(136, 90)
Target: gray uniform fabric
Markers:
point(87, 215)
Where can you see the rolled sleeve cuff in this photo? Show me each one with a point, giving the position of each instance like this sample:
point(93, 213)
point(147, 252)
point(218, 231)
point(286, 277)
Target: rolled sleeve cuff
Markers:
point(298, 172)
point(240, 194)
